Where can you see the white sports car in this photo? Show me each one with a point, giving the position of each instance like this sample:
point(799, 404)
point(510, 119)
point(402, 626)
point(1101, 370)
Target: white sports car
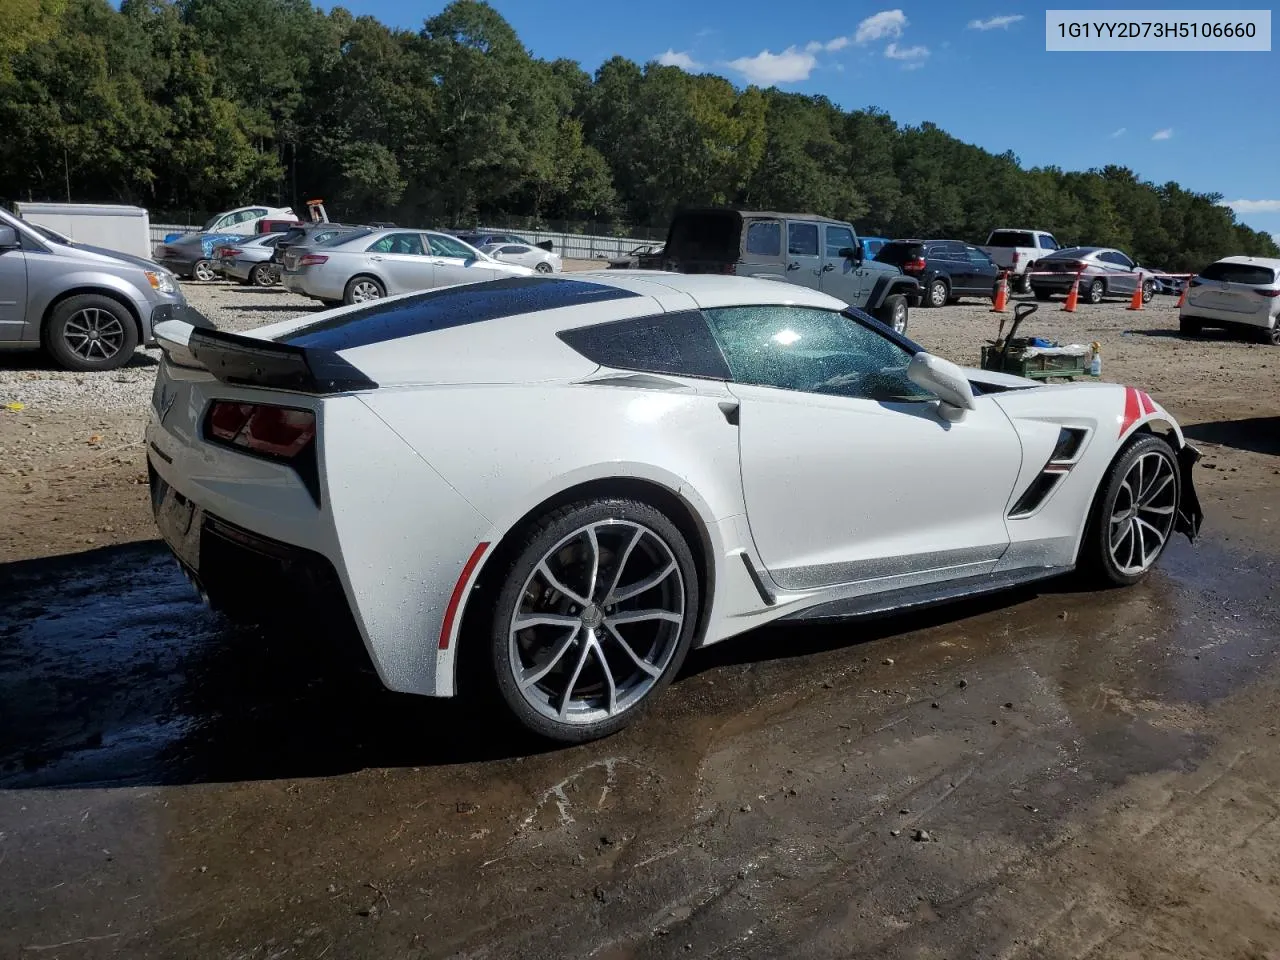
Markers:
point(572, 480)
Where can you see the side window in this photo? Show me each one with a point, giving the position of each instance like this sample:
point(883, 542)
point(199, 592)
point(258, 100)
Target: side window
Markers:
point(802, 239)
point(676, 343)
point(812, 350)
point(511, 249)
point(406, 243)
point(224, 223)
point(764, 238)
point(1047, 242)
point(941, 251)
point(838, 238)
point(443, 246)
point(1119, 259)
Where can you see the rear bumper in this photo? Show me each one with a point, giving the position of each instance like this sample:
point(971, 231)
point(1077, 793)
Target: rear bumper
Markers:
point(1230, 318)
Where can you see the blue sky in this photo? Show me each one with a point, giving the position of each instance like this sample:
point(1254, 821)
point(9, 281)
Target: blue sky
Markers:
point(977, 68)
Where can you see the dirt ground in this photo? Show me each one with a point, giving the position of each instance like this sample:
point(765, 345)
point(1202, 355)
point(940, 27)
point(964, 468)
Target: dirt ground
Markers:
point(1052, 774)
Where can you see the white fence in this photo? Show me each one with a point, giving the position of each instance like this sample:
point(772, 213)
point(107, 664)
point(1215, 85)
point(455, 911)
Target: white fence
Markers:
point(571, 246)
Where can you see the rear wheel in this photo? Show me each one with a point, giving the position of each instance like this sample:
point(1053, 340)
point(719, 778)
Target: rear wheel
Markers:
point(594, 615)
point(1024, 285)
point(1271, 334)
point(938, 293)
point(893, 312)
point(203, 271)
point(362, 290)
point(543, 267)
point(262, 275)
point(91, 332)
point(1133, 513)
point(1095, 291)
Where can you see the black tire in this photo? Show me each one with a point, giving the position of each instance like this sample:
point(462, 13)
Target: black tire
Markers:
point(90, 332)
point(1097, 563)
point(1024, 285)
point(262, 275)
point(1095, 291)
point(544, 539)
point(1148, 291)
point(1270, 335)
point(894, 312)
point(938, 294)
point(1189, 326)
point(1043, 294)
point(543, 267)
point(356, 286)
point(202, 271)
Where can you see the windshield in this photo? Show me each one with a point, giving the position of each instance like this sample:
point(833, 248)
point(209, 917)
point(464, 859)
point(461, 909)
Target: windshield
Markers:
point(208, 224)
point(48, 234)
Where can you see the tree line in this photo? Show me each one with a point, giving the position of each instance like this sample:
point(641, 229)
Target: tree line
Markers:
point(195, 106)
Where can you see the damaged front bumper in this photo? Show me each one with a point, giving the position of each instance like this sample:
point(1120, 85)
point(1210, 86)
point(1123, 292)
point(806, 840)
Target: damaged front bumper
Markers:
point(1190, 514)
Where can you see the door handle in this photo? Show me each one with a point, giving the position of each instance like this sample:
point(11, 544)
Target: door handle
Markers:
point(828, 266)
point(375, 257)
point(793, 265)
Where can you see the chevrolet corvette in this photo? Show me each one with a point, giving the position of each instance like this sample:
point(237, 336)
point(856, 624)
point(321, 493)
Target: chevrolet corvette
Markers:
point(572, 480)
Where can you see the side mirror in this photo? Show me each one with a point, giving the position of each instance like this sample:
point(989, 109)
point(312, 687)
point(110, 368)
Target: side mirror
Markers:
point(945, 380)
point(8, 238)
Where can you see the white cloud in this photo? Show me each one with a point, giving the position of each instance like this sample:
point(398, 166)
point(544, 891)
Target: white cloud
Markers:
point(766, 69)
point(831, 46)
point(886, 23)
point(912, 58)
point(996, 23)
point(1164, 134)
point(677, 58)
point(1120, 133)
point(1254, 206)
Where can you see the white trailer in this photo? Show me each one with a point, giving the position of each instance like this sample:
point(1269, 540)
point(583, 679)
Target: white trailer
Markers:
point(114, 227)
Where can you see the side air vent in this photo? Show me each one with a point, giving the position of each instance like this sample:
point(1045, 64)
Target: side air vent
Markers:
point(1065, 451)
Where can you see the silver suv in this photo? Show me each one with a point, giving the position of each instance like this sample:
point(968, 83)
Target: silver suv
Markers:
point(88, 307)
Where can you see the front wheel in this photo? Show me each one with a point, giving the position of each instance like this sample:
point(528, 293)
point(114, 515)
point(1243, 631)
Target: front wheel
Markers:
point(1148, 291)
point(1024, 286)
point(203, 271)
point(594, 615)
point(1133, 513)
point(893, 312)
point(91, 332)
point(362, 290)
point(938, 293)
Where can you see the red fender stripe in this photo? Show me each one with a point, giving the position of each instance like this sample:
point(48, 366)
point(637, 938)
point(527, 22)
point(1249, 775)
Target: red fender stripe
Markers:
point(455, 598)
point(1132, 410)
point(1148, 406)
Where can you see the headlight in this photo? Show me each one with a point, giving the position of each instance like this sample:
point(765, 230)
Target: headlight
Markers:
point(160, 281)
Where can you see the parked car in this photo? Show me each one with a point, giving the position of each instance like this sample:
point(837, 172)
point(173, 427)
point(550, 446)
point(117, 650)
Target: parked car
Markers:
point(797, 248)
point(1236, 293)
point(89, 307)
point(249, 261)
point(732, 444)
point(871, 246)
point(371, 264)
point(191, 255)
point(308, 234)
point(245, 219)
point(484, 238)
point(543, 261)
point(645, 257)
point(1103, 271)
point(947, 269)
point(269, 225)
point(1015, 250)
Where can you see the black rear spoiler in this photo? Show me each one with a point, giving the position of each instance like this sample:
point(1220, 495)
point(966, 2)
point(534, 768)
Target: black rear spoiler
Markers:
point(547, 245)
point(248, 361)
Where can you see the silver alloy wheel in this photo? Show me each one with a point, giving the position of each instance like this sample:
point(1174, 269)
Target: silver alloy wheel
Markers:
point(900, 317)
point(365, 290)
point(598, 622)
point(203, 271)
point(544, 267)
point(261, 275)
point(1097, 290)
point(93, 334)
point(1143, 513)
point(937, 294)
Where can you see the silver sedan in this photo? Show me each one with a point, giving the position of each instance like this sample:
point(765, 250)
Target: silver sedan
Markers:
point(371, 264)
point(249, 260)
point(544, 261)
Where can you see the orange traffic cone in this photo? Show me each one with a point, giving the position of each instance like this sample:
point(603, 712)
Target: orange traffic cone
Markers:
point(1185, 287)
point(1135, 303)
point(1073, 296)
point(1002, 294)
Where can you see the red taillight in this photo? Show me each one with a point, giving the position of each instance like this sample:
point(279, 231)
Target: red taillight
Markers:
point(1267, 293)
point(229, 252)
point(272, 431)
point(1016, 255)
point(312, 260)
point(914, 266)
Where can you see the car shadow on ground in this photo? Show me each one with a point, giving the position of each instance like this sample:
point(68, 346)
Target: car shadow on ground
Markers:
point(1254, 434)
point(39, 360)
point(113, 672)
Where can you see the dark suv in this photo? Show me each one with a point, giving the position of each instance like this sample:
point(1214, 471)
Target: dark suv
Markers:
point(947, 269)
point(796, 247)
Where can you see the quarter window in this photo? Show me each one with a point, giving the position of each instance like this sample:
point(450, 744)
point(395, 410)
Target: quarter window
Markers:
point(764, 238)
point(802, 239)
point(814, 351)
point(677, 343)
point(443, 246)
